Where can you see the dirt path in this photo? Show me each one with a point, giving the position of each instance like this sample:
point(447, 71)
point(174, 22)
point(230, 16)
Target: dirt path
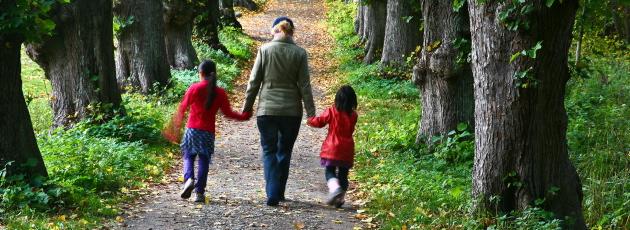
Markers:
point(235, 184)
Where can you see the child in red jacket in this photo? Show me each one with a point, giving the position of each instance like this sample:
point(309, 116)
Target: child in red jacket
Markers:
point(203, 99)
point(337, 154)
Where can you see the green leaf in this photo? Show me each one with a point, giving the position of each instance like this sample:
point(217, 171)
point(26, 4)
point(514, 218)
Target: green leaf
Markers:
point(549, 3)
point(458, 4)
point(462, 127)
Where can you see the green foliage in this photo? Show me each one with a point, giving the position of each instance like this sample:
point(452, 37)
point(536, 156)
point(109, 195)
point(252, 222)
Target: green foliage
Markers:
point(464, 49)
point(457, 146)
point(119, 24)
point(515, 15)
point(28, 18)
point(525, 78)
point(237, 43)
point(530, 218)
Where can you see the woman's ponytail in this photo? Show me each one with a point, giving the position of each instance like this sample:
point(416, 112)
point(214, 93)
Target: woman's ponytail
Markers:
point(209, 71)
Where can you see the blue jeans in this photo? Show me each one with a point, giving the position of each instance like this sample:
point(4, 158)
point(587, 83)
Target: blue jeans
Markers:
point(277, 136)
point(202, 172)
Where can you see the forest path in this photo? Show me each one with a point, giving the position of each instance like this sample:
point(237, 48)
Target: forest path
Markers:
point(235, 187)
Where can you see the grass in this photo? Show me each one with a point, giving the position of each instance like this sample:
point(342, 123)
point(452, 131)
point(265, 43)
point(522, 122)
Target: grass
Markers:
point(95, 167)
point(408, 186)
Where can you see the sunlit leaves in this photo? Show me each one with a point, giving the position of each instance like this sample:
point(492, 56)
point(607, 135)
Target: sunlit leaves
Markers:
point(28, 18)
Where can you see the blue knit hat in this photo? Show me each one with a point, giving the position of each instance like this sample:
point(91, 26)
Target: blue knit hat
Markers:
point(280, 19)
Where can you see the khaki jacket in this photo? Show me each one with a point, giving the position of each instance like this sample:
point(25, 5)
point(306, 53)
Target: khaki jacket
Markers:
point(280, 79)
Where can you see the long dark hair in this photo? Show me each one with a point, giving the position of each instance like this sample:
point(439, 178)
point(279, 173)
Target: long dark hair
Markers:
point(346, 99)
point(208, 70)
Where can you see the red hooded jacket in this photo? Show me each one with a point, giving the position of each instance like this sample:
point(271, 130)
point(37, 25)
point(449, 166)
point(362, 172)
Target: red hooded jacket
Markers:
point(339, 144)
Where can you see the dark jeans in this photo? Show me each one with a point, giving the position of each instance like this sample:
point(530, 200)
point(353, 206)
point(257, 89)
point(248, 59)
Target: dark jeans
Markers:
point(202, 172)
point(341, 173)
point(277, 136)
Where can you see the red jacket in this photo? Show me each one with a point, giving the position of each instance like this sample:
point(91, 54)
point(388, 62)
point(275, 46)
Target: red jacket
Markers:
point(339, 144)
point(200, 117)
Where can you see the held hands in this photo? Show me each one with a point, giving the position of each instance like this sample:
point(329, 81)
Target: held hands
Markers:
point(246, 115)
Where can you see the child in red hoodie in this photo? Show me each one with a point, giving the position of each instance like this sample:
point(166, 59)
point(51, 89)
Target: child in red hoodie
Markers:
point(337, 154)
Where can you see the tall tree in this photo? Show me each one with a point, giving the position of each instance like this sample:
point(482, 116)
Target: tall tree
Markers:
point(207, 25)
point(79, 60)
point(140, 61)
point(520, 120)
point(178, 18)
point(374, 30)
point(402, 31)
point(359, 20)
point(621, 18)
point(443, 72)
point(228, 17)
point(22, 21)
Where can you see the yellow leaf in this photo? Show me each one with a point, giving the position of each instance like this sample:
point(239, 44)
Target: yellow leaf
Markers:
point(337, 221)
point(298, 226)
point(62, 218)
point(207, 200)
point(120, 219)
point(83, 222)
point(404, 227)
point(180, 179)
point(124, 190)
point(198, 206)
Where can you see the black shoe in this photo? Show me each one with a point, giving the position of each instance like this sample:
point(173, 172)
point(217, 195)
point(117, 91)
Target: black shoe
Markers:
point(188, 187)
point(272, 203)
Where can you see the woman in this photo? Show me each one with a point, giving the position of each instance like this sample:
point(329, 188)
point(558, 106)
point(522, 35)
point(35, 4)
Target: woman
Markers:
point(281, 81)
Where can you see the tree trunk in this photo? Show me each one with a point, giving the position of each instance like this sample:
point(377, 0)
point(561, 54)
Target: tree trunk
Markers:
point(445, 81)
point(140, 61)
point(358, 20)
point(228, 17)
point(178, 19)
point(79, 61)
point(207, 26)
point(17, 139)
point(375, 30)
point(578, 46)
point(520, 145)
point(402, 32)
point(247, 4)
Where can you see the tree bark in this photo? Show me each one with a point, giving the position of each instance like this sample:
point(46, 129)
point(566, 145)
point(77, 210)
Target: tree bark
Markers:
point(621, 19)
point(228, 17)
point(402, 32)
point(79, 61)
point(521, 147)
point(358, 20)
point(446, 84)
point(178, 19)
point(247, 4)
point(140, 62)
point(375, 30)
point(207, 26)
point(17, 139)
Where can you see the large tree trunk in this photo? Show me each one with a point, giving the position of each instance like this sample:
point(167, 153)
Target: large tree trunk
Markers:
point(402, 32)
point(141, 52)
point(207, 26)
point(79, 61)
point(247, 4)
point(178, 19)
point(17, 139)
point(446, 83)
point(228, 17)
point(521, 147)
point(375, 30)
point(358, 20)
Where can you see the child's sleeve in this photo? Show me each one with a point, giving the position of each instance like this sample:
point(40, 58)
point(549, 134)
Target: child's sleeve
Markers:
point(321, 120)
point(227, 111)
point(183, 108)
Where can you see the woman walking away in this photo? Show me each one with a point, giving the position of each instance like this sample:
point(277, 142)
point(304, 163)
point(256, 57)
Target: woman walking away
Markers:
point(204, 99)
point(337, 154)
point(281, 81)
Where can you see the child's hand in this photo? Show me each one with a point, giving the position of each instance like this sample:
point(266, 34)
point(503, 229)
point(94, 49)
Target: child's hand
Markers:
point(247, 116)
point(309, 121)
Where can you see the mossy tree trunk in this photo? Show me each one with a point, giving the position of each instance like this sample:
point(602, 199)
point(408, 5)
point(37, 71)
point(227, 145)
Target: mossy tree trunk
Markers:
point(79, 61)
point(443, 72)
point(178, 20)
point(141, 51)
point(520, 126)
point(17, 139)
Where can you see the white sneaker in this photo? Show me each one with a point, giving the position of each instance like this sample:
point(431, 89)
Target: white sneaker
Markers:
point(188, 187)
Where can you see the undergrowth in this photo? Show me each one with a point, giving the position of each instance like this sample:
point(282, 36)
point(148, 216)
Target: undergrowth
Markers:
point(409, 186)
point(95, 166)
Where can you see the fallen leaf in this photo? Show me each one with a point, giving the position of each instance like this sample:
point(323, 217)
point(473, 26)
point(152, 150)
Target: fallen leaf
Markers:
point(62, 218)
point(298, 225)
point(120, 219)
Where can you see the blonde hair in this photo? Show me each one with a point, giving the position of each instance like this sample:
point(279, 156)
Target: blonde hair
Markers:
point(284, 27)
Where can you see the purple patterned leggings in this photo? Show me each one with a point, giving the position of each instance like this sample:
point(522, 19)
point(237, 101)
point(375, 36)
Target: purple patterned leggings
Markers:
point(202, 172)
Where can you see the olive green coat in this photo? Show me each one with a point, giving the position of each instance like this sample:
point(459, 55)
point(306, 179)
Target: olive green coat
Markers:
point(280, 79)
